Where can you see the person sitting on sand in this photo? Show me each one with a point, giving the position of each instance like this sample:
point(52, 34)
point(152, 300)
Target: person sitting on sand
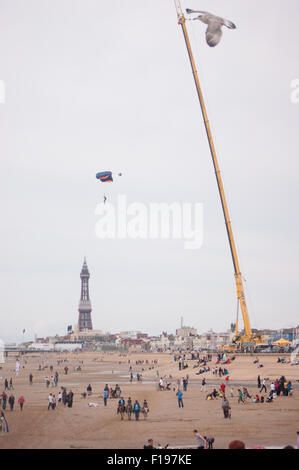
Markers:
point(241, 398)
point(210, 396)
point(256, 399)
point(270, 398)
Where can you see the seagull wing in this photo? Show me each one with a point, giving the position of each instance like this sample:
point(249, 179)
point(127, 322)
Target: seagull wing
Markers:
point(197, 11)
point(228, 24)
point(214, 33)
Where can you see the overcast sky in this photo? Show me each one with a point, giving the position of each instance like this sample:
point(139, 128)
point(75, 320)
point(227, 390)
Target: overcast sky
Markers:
point(95, 85)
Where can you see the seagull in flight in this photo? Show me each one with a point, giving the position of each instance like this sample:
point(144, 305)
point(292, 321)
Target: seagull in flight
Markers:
point(215, 23)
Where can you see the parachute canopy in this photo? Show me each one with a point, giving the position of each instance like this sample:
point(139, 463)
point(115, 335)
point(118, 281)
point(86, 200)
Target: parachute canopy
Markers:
point(105, 176)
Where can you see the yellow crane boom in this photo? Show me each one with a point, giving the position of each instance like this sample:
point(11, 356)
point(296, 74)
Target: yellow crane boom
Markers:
point(238, 275)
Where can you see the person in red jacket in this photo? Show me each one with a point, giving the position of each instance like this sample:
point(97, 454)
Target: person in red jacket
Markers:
point(21, 402)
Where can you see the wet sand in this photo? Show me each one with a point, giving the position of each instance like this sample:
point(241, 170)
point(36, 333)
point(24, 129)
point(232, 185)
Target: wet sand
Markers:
point(268, 424)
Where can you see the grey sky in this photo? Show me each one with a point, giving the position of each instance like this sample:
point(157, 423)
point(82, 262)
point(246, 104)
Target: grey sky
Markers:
point(94, 85)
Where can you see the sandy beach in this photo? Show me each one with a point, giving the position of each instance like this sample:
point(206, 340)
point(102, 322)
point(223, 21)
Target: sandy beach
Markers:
point(83, 427)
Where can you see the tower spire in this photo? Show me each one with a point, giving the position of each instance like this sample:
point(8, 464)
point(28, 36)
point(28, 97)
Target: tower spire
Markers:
point(84, 322)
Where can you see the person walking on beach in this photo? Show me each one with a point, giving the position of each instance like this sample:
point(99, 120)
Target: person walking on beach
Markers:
point(56, 379)
point(4, 399)
point(136, 409)
point(222, 389)
point(272, 389)
point(64, 395)
point(145, 409)
point(225, 407)
point(11, 402)
point(10, 384)
point(30, 379)
point(203, 384)
point(179, 394)
point(105, 396)
point(70, 397)
point(21, 402)
point(107, 390)
point(53, 402)
point(258, 382)
point(5, 384)
point(264, 386)
point(50, 401)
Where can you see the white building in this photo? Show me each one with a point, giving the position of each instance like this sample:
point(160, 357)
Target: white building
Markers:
point(68, 346)
point(129, 334)
point(41, 347)
point(185, 331)
point(85, 335)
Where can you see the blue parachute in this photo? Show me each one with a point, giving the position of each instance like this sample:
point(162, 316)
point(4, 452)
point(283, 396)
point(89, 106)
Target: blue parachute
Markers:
point(105, 177)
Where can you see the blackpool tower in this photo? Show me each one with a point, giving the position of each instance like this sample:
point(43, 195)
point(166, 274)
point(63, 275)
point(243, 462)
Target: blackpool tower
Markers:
point(84, 322)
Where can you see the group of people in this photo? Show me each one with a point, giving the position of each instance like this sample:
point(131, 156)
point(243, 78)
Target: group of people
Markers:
point(278, 387)
point(202, 371)
point(202, 442)
point(131, 407)
point(53, 380)
point(64, 397)
point(111, 393)
point(183, 365)
point(219, 371)
point(139, 361)
point(8, 386)
point(164, 384)
point(4, 399)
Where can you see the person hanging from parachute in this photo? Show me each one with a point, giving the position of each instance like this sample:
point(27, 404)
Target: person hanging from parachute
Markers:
point(105, 177)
